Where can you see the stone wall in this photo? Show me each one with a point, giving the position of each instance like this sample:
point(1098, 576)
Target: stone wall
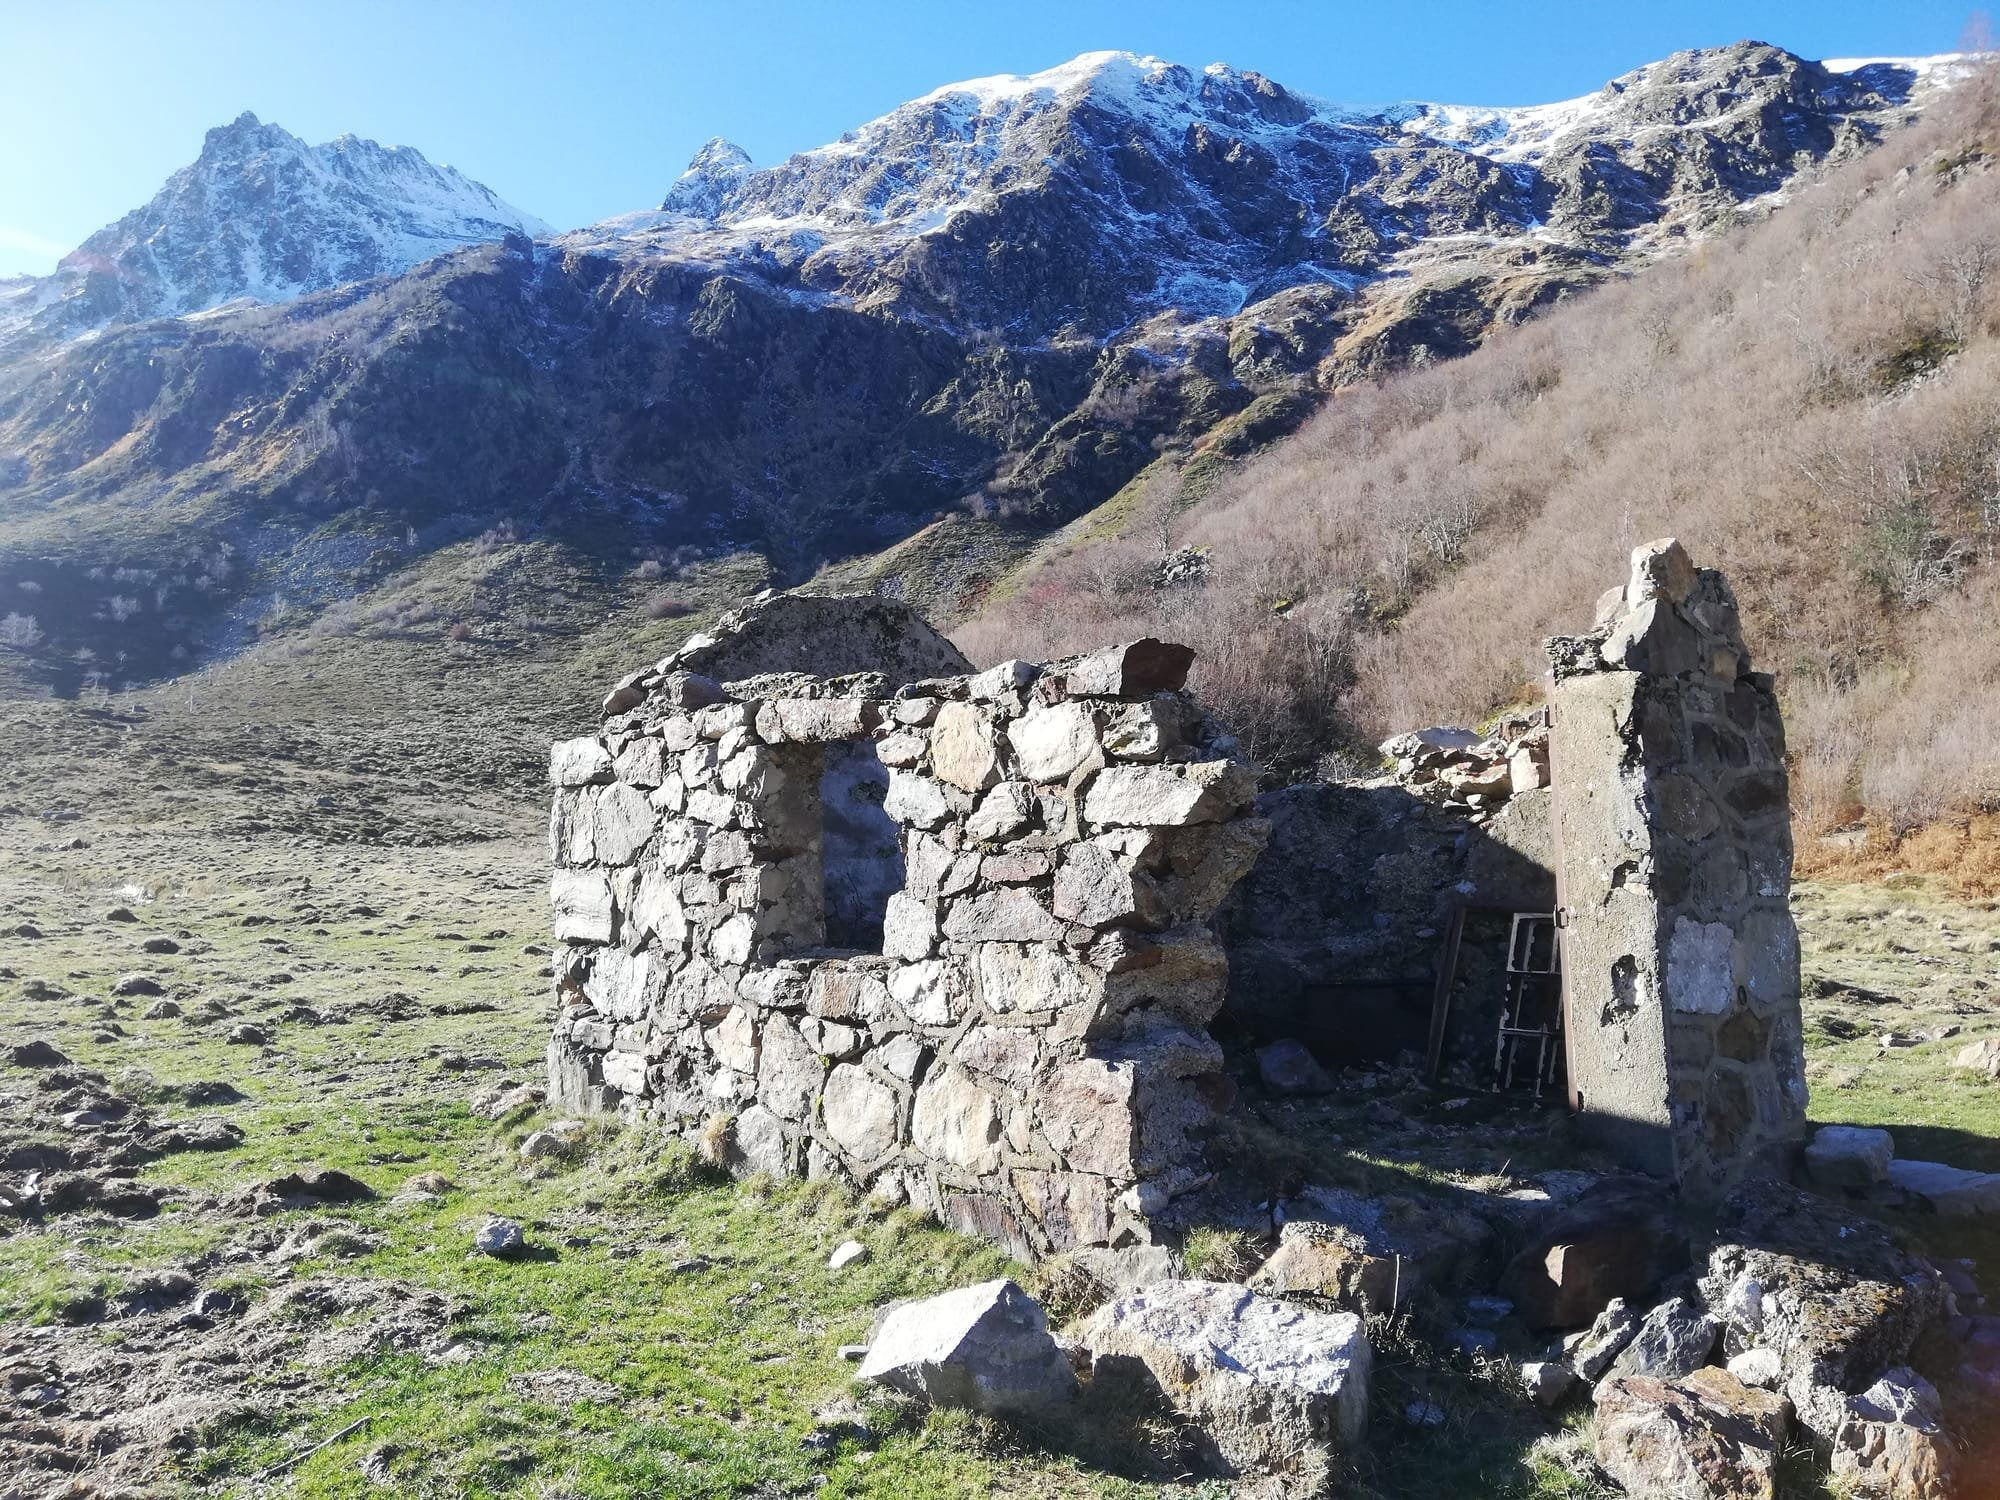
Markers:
point(1033, 854)
point(1674, 866)
point(1335, 935)
point(956, 939)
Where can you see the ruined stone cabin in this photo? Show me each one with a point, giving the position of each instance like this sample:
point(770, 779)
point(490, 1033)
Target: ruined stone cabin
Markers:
point(844, 906)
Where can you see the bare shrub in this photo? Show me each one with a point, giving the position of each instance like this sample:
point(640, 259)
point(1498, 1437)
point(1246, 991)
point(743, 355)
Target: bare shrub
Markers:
point(495, 537)
point(20, 632)
point(665, 606)
point(459, 631)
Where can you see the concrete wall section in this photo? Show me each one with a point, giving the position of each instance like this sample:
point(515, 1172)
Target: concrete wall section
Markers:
point(1674, 864)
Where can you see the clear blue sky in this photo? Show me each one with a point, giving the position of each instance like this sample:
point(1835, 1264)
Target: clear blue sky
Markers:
point(578, 110)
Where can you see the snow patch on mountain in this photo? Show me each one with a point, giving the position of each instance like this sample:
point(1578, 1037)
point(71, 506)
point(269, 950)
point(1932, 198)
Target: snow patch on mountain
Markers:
point(264, 216)
point(1148, 186)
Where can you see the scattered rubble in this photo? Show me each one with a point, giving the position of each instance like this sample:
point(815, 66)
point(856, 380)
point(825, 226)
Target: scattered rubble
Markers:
point(985, 1347)
point(1706, 1436)
point(1466, 773)
point(1272, 1387)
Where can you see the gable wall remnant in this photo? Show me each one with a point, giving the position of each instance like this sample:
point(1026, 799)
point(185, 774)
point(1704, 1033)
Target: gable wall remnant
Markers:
point(1675, 861)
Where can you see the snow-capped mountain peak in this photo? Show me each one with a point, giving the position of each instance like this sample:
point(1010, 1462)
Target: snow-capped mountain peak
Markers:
point(716, 171)
point(1113, 187)
point(262, 215)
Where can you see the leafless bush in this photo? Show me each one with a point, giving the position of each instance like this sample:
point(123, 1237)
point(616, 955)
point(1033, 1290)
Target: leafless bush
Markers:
point(20, 632)
point(493, 538)
point(665, 606)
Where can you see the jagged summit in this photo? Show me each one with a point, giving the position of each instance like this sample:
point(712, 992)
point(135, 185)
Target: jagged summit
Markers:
point(1114, 187)
point(259, 214)
point(711, 176)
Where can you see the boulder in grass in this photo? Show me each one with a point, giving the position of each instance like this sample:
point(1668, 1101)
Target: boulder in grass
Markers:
point(1849, 1156)
point(985, 1347)
point(1705, 1437)
point(1288, 1067)
point(1270, 1387)
point(1982, 1056)
point(499, 1237)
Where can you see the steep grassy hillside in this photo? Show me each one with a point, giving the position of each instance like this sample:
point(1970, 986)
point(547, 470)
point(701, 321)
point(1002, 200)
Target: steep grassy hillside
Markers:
point(1809, 403)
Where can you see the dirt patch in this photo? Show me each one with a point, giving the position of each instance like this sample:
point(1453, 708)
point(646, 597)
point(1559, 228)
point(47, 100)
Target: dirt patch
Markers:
point(86, 1414)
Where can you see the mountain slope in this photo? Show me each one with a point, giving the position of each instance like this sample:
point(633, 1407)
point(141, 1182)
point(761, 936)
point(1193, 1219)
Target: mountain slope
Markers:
point(1809, 404)
point(261, 215)
point(1075, 201)
point(1004, 300)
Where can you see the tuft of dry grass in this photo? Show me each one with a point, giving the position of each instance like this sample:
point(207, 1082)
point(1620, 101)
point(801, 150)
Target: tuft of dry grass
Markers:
point(1961, 854)
point(1216, 1254)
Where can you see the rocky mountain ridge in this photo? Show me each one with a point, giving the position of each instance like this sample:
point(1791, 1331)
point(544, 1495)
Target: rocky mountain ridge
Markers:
point(264, 217)
point(1008, 297)
point(1162, 189)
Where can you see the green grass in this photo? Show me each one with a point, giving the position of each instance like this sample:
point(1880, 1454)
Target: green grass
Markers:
point(719, 1370)
point(370, 796)
point(1906, 958)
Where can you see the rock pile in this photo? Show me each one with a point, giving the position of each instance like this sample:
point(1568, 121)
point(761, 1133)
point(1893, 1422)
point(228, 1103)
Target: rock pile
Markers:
point(1033, 855)
point(1471, 774)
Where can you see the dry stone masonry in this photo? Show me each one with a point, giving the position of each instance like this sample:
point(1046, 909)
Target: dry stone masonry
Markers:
point(835, 903)
point(945, 938)
point(1674, 868)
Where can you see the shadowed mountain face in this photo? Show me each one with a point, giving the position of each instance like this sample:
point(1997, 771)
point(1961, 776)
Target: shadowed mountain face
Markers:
point(1019, 289)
